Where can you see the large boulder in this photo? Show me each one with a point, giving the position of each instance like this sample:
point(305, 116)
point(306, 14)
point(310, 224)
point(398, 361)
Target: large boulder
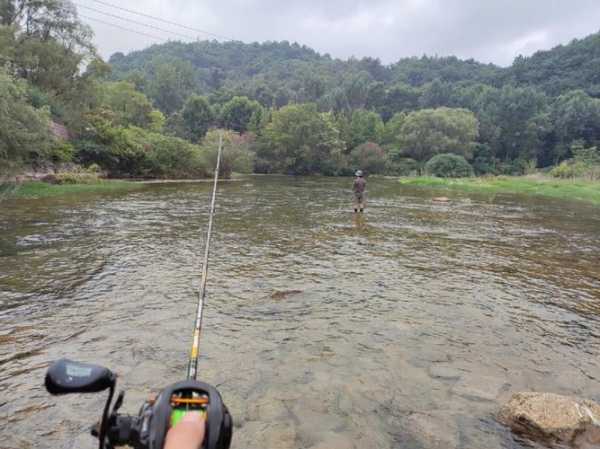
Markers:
point(550, 418)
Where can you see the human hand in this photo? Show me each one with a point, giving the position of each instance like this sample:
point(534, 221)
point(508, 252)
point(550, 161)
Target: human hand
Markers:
point(187, 433)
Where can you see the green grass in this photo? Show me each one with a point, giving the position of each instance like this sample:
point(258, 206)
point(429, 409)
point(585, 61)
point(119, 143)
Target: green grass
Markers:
point(44, 190)
point(531, 185)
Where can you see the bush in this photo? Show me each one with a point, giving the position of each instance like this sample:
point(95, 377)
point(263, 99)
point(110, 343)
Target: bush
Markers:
point(75, 176)
point(448, 165)
point(139, 152)
point(402, 167)
point(237, 156)
point(62, 152)
point(368, 157)
point(573, 169)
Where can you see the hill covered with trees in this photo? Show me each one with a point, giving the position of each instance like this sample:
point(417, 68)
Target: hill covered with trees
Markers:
point(283, 107)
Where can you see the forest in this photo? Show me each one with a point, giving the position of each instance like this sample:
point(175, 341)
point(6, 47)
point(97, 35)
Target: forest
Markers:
point(285, 108)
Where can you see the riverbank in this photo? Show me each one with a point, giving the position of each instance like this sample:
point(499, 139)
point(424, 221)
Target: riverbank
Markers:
point(38, 189)
point(530, 185)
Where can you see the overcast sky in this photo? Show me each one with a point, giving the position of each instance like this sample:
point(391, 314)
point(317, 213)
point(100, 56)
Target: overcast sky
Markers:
point(486, 30)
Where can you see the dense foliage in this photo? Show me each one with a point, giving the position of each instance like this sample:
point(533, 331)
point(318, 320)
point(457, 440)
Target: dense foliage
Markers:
point(284, 108)
point(448, 165)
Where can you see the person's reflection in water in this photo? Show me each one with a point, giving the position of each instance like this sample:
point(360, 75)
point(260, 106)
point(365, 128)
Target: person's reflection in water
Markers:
point(359, 222)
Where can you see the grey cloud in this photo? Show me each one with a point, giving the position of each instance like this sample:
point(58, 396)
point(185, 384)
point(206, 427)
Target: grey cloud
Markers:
point(489, 31)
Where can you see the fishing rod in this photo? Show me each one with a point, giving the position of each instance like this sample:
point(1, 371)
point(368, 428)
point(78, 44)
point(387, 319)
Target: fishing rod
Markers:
point(192, 370)
point(149, 428)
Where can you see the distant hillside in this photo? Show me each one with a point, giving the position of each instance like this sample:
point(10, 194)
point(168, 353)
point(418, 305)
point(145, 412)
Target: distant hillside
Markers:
point(566, 67)
point(276, 73)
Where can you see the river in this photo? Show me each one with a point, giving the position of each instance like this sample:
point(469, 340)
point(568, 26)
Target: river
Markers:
point(404, 328)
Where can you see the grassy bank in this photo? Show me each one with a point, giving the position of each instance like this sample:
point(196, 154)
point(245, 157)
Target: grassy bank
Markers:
point(534, 185)
point(45, 190)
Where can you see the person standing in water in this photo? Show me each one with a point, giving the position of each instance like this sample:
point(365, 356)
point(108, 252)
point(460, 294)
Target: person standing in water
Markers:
point(359, 191)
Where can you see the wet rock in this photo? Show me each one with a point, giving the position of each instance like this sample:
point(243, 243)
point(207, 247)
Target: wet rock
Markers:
point(443, 371)
point(268, 411)
point(335, 441)
point(433, 430)
point(441, 199)
point(482, 388)
point(263, 435)
point(553, 418)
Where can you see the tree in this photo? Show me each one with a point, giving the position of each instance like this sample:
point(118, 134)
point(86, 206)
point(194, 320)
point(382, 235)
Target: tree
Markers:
point(130, 106)
point(365, 126)
point(239, 112)
point(197, 117)
point(429, 132)
point(509, 122)
point(392, 130)
point(47, 20)
point(172, 81)
point(575, 116)
point(399, 98)
point(300, 140)
point(356, 90)
point(24, 135)
point(436, 94)
point(46, 44)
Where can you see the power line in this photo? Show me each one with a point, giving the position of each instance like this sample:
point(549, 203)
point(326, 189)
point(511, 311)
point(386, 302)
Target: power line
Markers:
point(197, 30)
point(123, 28)
point(186, 36)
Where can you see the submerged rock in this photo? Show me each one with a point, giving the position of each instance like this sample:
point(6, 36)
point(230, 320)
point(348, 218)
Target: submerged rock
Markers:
point(553, 418)
point(434, 430)
point(284, 294)
point(444, 371)
point(479, 388)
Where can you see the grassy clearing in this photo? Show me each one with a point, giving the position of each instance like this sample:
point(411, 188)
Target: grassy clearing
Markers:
point(45, 190)
point(531, 185)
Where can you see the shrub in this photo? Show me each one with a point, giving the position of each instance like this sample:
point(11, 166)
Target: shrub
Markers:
point(368, 157)
point(402, 167)
point(138, 152)
point(76, 176)
point(62, 152)
point(569, 170)
point(448, 165)
point(238, 155)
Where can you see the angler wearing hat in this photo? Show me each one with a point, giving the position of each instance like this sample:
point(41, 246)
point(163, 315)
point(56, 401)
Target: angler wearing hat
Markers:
point(359, 191)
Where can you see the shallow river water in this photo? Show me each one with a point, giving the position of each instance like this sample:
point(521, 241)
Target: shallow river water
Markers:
point(404, 328)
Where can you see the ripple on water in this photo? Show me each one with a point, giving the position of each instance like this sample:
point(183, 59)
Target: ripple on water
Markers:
point(409, 324)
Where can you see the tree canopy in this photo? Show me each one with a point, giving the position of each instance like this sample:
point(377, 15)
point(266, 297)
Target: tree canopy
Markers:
point(283, 106)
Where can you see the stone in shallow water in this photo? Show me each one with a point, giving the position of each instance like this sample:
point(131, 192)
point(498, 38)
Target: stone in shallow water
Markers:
point(336, 441)
point(442, 371)
point(433, 430)
point(279, 295)
point(549, 417)
point(483, 388)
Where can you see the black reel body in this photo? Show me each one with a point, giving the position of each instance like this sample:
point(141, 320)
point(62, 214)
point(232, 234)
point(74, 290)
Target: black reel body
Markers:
point(149, 429)
point(176, 400)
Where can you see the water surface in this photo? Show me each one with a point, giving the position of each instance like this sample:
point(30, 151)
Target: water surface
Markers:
point(413, 323)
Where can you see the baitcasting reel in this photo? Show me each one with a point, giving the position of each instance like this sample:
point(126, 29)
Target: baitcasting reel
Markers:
point(149, 429)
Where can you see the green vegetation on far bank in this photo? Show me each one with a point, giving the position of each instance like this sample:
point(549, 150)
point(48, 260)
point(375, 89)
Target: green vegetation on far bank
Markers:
point(578, 189)
point(38, 189)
